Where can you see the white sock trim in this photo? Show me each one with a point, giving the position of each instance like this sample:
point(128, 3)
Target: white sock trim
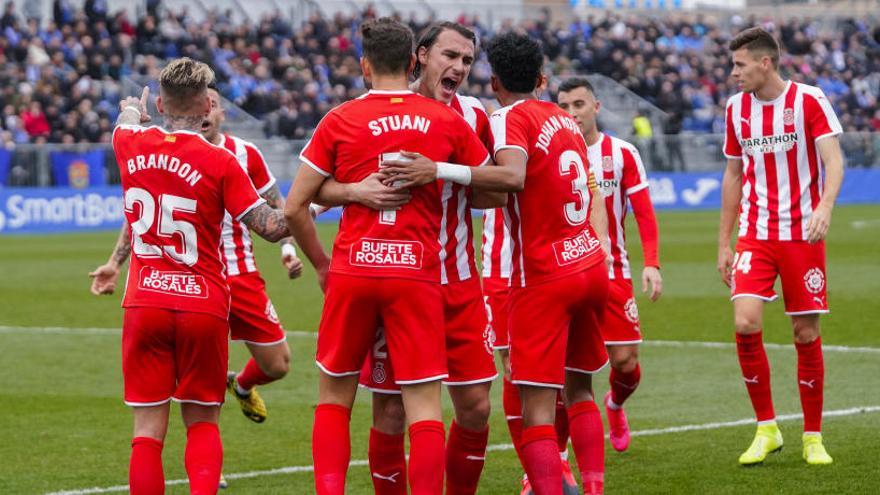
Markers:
point(768, 422)
point(240, 391)
point(611, 405)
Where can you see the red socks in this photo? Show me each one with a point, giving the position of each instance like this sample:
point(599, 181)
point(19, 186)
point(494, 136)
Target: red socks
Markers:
point(465, 456)
point(145, 475)
point(252, 375)
point(623, 384)
point(331, 448)
point(387, 463)
point(426, 457)
point(588, 440)
point(203, 458)
point(513, 412)
point(756, 373)
point(541, 459)
point(811, 378)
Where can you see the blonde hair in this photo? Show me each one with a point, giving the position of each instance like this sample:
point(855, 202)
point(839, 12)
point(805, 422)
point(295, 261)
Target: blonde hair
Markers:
point(182, 81)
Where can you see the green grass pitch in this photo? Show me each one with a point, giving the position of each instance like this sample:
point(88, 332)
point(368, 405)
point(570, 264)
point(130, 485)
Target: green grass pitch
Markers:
point(65, 427)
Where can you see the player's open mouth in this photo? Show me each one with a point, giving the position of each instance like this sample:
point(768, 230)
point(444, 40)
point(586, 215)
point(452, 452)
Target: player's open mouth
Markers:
point(449, 83)
point(205, 126)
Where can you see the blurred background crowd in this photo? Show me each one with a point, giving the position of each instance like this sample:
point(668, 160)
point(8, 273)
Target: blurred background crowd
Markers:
point(60, 79)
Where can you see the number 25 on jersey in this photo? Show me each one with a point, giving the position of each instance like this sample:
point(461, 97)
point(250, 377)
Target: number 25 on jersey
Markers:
point(167, 226)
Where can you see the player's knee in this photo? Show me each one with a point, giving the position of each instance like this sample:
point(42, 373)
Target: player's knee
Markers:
point(388, 415)
point(746, 324)
point(805, 330)
point(278, 366)
point(475, 416)
point(625, 362)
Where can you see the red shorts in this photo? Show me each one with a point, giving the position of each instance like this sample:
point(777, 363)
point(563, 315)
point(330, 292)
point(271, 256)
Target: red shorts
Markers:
point(555, 326)
point(621, 325)
point(799, 264)
point(173, 355)
point(495, 293)
point(411, 312)
point(469, 340)
point(252, 317)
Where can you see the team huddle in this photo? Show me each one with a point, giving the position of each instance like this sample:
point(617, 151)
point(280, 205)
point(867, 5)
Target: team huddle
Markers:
point(406, 307)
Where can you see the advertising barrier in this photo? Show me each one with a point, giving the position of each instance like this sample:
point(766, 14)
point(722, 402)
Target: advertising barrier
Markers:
point(63, 209)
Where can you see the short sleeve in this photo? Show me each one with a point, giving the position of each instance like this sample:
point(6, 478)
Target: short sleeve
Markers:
point(258, 169)
point(484, 131)
point(819, 118)
point(509, 130)
point(634, 178)
point(320, 151)
point(239, 195)
point(732, 147)
point(469, 149)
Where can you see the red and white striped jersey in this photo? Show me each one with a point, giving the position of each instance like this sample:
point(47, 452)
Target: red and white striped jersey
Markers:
point(238, 249)
point(782, 170)
point(456, 227)
point(549, 218)
point(619, 172)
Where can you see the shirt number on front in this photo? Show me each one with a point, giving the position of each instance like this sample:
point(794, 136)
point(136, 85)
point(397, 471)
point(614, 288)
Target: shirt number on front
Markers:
point(167, 227)
point(576, 212)
point(742, 261)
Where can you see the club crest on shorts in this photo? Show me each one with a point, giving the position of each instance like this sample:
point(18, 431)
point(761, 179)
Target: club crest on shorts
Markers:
point(788, 116)
point(489, 338)
point(270, 312)
point(379, 374)
point(631, 310)
point(607, 163)
point(814, 280)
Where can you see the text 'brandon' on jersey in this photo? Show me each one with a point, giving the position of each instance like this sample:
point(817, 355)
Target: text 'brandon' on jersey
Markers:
point(177, 188)
point(351, 142)
point(549, 218)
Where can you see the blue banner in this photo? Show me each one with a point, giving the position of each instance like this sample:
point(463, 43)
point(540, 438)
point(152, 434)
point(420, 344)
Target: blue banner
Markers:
point(28, 210)
point(64, 209)
point(5, 162)
point(78, 169)
point(687, 191)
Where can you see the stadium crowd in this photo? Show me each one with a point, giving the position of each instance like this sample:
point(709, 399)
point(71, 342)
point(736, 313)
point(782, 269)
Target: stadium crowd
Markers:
point(60, 78)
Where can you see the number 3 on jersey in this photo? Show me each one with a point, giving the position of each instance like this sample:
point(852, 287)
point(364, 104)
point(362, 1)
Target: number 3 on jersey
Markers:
point(576, 212)
point(167, 226)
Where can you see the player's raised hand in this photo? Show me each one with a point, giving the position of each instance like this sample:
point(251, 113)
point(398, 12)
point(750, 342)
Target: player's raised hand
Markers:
point(725, 264)
point(373, 193)
point(415, 170)
point(818, 225)
point(138, 103)
point(651, 276)
point(104, 279)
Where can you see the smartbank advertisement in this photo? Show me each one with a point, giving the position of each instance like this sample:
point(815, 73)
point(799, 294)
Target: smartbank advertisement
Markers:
point(64, 209)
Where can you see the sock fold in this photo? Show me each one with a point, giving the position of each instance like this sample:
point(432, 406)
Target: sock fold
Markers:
point(811, 382)
point(145, 474)
point(387, 458)
point(756, 374)
point(427, 457)
point(203, 458)
point(465, 457)
point(331, 448)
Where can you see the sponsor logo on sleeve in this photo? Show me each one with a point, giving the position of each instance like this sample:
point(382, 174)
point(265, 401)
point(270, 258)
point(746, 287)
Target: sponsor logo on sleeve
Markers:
point(380, 253)
point(173, 283)
point(574, 249)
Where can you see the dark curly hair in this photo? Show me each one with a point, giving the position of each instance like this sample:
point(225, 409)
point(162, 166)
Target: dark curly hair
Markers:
point(516, 60)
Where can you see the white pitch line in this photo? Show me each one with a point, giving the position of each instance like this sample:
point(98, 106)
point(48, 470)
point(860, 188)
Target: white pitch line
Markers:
point(497, 447)
point(304, 334)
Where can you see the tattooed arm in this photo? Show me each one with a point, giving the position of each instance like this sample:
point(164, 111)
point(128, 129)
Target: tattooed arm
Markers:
point(104, 277)
point(268, 222)
point(288, 253)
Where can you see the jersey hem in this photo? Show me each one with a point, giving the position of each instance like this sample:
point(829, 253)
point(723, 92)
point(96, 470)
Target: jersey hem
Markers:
point(335, 374)
point(470, 382)
point(247, 210)
point(808, 312)
point(756, 296)
point(315, 167)
point(422, 380)
point(268, 186)
point(588, 372)
point(537, 384)
point(636, 188)
point(827, 135)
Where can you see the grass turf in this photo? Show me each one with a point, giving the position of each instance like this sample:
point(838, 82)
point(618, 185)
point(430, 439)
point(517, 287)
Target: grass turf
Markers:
point(68, 429)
